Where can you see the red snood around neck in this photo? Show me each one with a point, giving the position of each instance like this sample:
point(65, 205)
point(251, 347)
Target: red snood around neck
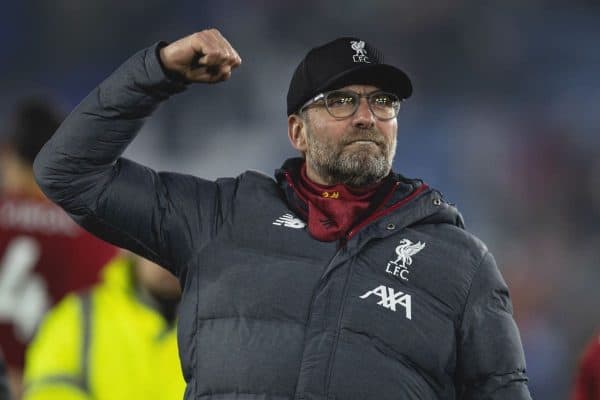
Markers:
point(332, 210)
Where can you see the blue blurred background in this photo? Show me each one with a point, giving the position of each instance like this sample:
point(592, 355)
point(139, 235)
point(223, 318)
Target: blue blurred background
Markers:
point(504, 119)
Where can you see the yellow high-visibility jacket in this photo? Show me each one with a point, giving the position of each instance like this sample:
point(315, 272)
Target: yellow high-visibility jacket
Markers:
point(104, 345)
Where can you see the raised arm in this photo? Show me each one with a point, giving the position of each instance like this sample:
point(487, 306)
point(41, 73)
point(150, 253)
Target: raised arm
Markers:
point(152, 214)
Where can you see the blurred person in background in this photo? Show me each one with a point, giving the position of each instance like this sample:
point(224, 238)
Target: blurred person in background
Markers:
point(115, 342)
point(339, 279)
point(587, 378)
point(43, 253)
point(4, 388)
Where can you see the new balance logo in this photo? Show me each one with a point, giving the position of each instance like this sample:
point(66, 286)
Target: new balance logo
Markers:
point(390, 299)
point(289, 221)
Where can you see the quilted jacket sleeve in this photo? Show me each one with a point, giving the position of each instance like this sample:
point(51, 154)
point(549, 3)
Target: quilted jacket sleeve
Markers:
point(161, 216)
point(491, 362)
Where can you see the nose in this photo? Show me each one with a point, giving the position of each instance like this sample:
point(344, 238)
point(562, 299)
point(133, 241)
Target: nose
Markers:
point(363, 118)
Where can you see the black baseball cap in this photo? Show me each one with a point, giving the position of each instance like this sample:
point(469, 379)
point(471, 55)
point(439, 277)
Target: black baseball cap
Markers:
point(341, 62)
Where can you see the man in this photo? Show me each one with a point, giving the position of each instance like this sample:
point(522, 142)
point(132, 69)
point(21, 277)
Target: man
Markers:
point(115, 342)
point(43, 253)
point(587, 379)
point(337, 280)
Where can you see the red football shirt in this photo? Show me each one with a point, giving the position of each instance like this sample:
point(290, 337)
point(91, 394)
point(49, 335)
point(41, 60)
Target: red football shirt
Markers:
point(587, 381)
point(43, 256)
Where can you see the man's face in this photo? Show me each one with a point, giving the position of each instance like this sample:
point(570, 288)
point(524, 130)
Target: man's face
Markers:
point(357, 151)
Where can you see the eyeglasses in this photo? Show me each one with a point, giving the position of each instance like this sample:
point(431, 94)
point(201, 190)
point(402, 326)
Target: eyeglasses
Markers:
point(343, 103)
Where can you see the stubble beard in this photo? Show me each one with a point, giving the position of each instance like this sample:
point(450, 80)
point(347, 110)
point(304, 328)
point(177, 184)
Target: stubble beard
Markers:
point(355, 167)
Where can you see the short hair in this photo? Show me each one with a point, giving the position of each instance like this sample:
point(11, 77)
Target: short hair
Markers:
point(34, 122)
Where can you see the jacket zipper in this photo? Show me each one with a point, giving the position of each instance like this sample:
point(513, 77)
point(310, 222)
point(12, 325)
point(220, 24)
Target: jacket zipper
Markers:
point(310, 311)
point(338, 328)
point(343, 241)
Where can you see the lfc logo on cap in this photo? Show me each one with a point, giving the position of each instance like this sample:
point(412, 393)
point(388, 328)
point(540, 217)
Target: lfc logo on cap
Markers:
point(361, 53)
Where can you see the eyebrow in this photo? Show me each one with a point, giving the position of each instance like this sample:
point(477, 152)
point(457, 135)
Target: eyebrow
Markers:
point(364, 94)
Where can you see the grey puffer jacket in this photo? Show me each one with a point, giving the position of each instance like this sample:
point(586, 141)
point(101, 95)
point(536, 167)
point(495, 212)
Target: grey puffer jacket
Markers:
point(408, 306)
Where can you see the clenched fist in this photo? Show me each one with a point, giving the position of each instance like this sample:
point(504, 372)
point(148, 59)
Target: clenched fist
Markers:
point(201, 57)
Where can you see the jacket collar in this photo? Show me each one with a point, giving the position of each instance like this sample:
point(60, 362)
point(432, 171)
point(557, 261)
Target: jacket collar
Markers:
point(412, 202)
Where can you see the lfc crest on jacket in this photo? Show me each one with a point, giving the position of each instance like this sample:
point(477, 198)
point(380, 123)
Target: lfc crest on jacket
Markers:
point(404, 252)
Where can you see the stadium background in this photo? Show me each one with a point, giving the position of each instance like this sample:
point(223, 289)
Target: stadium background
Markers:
point(504, 119)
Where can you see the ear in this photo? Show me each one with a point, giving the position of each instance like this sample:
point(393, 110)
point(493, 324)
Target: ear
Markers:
point(297, 132)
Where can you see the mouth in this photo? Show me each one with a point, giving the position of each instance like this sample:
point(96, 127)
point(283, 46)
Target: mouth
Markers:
point(363, 142)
